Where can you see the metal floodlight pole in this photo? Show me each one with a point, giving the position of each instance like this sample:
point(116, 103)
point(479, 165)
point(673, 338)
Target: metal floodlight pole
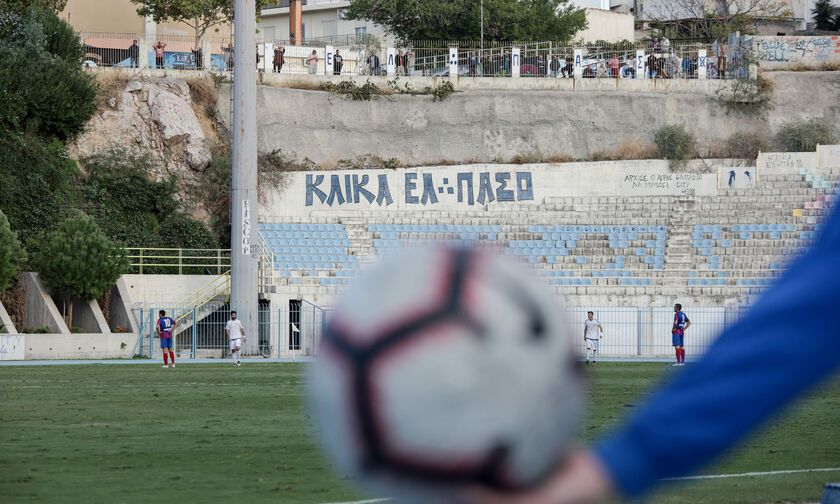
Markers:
point(482, 26)
point(243, 239)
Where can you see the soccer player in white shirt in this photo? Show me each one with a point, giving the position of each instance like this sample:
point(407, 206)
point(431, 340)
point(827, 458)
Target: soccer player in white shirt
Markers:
point(236, 335)
point(590, 335)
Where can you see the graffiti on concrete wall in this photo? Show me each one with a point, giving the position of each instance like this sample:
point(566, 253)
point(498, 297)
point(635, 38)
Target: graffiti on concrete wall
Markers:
point(655, 183)
point(797, 49)
point(427, 188)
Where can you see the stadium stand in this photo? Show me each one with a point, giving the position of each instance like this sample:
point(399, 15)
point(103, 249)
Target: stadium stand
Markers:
point(725, 245)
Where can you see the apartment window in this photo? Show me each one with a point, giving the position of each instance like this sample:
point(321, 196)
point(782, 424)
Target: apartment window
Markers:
point(269, 33)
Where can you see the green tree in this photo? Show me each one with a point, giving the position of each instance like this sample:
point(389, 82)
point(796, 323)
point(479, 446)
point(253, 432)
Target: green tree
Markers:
point(503, 19)
point(45, 90)
point(200, 15)
point(23, 5)
point(11, 254)
point(36, 178)
point(823, 18)
point(79, 261)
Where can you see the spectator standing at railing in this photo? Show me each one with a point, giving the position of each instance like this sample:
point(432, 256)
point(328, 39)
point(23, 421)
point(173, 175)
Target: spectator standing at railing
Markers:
point(227, 56)
point(198, 58)
point(628, 71)
point(400, 63)
point(159, 47)
point(373, 63)
point(541, 66)
point(672, 65)
point(719, 51)
point(665, 44)
point(312, 62)
point(280, 58)
point(569, 69)
point(338, 62)
point(506, 64)
point(473, 64)
point(613, 64)
point(554, 67)
point(409, 62)
point(654, 45)
point(133, 54)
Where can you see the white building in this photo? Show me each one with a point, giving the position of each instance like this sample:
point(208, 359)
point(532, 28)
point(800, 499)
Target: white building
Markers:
point(322, 20)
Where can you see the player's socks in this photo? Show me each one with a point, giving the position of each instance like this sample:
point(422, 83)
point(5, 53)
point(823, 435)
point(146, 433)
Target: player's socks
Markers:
point(682, 355)
point(678, 355)
point(172, 357)
point(165, 358)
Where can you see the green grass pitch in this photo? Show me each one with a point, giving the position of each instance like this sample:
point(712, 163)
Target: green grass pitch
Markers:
point(215, 433)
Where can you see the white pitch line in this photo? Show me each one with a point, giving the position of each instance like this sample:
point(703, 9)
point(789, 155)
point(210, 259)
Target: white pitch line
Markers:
point(741, 475)
point(707, 476)
point(369, 501)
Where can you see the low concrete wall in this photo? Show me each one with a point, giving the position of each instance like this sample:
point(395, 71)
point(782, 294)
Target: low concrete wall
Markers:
point(78, 346)
point(485, 126)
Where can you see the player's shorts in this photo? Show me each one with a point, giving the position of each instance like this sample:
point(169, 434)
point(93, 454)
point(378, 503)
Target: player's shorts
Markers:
point(235, 342)
point(677, 338)
point(591, 343)
point(166, 343)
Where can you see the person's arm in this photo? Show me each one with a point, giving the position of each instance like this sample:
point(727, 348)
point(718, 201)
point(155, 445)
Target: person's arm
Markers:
point(601, 328)
point(687, 323)
point(760, 359)
point(227, 331)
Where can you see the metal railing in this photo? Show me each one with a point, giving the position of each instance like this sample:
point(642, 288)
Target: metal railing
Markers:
point(295, 331)
point(680, 60)
point(179, 261)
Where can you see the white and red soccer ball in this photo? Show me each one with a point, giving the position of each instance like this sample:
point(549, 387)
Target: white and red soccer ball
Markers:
point(442, 368)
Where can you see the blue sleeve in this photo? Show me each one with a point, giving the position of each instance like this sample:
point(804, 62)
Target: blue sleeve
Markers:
point(761, 360)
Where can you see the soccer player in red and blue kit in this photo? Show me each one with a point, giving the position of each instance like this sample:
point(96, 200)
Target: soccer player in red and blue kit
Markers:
point(165, 325)
point(681, 323)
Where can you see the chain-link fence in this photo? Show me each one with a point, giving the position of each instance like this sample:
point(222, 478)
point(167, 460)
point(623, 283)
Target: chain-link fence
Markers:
point(295, 331)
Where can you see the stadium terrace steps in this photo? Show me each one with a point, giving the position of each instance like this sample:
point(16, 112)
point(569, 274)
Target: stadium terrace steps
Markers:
point(731, 244)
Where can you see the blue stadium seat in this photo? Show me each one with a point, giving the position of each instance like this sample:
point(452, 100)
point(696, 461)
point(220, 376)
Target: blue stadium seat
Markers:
point(581, 260)
point(745, 235)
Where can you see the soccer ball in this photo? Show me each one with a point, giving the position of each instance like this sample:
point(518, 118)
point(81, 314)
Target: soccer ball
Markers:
point(445, 367)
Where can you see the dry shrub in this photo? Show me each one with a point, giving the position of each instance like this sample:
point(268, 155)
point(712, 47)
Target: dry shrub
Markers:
point(302, 83)
point(205, 98)
point(630, 147)
point(110, 85)
point(825, 66)
point(747, 145)
point(560, 158)
point(526, 158)
point(203, 91)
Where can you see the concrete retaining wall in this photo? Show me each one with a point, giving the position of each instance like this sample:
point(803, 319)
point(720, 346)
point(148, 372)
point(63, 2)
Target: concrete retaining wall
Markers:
point(485, 126)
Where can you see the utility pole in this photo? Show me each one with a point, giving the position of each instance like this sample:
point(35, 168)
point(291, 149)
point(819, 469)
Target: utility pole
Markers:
point(243, 239)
